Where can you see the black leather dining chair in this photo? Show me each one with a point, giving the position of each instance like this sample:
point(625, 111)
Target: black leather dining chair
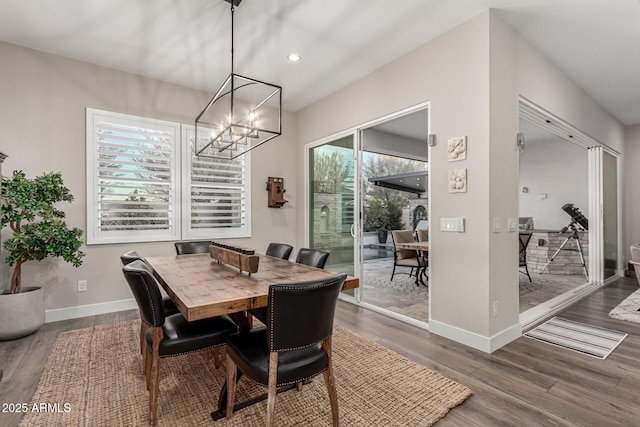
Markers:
point(312, 257)
point(279, 250)
point(193, 247)
point(169, 335)
point(168, 305)
point(294, 346)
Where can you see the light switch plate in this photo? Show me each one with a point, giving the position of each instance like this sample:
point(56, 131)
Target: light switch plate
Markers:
point(513, 225)
point(496, 224)
point(452, 224)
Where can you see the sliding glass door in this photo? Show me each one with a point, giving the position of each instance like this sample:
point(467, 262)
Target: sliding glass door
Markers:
point(592, 208)
point(610, 214)
point(332, 202)
point(351, 215)
point(604, 205)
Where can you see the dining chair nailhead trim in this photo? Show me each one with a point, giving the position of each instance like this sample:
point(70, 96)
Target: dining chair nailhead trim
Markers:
point(279, 384)
point(272, 290)
point(146, 288)
point(191, 351)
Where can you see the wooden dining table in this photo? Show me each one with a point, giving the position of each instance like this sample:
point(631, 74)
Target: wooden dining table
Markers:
point(422, 247)
point(202, 287)
point(414, 246)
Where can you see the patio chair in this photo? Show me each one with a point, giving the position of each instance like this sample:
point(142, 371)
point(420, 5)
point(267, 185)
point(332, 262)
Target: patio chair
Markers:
point(524, 242)
point(635, 260)
point(404, 257)
point(423, 236)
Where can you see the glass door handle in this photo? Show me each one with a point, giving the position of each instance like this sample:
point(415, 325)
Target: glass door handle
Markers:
point(353, 230)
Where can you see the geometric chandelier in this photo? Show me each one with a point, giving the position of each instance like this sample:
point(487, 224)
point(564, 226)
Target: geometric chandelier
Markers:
point(244, 114)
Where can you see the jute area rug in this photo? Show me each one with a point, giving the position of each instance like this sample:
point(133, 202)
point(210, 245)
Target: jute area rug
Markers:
point(95, 377)
point(629, 309)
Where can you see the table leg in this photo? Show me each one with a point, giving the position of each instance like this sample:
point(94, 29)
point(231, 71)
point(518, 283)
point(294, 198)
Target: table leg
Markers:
point(222, 400)
point(242, 320)
point(421, 275)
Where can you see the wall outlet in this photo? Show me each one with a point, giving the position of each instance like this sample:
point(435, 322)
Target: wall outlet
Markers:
point(82, 285)
point(495, 308)
point(496, 224)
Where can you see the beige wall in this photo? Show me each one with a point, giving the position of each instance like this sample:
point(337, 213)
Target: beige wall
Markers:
point(452, 72)
point(543, 165)
point(631, 196)
point(503, 191)
point(472, 77)
point(42, 128)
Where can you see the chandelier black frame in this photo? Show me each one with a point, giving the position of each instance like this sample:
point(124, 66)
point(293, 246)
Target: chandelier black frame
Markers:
point(243, 114)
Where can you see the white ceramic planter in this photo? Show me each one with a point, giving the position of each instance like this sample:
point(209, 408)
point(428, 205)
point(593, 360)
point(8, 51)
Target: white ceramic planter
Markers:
point(21, 314)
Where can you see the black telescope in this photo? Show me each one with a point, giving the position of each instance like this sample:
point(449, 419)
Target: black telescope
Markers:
point(581, 221)
point(576, 216)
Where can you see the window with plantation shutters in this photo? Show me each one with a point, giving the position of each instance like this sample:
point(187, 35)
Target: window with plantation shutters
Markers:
point(132, 178)
point(216, 193)
point(138, 189)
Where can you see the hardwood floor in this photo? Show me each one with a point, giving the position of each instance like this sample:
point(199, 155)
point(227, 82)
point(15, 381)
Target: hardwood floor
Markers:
point(526, 383)
point(23, 360)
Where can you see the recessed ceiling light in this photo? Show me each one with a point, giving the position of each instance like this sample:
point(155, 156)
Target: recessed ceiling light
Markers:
point(294, 57)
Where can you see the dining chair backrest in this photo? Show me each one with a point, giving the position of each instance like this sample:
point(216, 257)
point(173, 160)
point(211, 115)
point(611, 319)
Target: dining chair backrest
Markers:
point(194, 247)
point(129, 257)
point(423, 235)
point(279, 250)
point(403, 236)
point(146, 292)
point(635, 252)
point(635, 260)
point(312, 257)
point(301, 314)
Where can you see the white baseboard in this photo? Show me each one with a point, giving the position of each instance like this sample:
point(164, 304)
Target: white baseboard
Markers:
point(58, 314)
point(471, 339)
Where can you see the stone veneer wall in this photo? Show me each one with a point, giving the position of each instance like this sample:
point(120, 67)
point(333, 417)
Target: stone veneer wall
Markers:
point(413, 204)
point(566, 262)
point(327, 230)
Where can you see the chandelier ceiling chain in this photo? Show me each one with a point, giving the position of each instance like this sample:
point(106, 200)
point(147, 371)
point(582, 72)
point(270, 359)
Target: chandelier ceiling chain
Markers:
point(244, 114)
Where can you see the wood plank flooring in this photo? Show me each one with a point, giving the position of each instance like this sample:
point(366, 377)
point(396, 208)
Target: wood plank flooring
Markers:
point(526, 383)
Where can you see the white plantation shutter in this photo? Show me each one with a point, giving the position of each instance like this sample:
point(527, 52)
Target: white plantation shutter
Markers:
point(216, 193)
point(132, 174)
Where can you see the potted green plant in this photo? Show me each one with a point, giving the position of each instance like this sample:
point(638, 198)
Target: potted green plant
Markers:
point(38, 231)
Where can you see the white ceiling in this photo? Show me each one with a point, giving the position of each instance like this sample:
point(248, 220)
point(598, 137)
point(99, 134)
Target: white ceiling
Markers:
point(188, 41)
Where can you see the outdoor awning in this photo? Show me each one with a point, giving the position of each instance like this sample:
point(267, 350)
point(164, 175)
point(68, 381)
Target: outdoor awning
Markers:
point(412, 182)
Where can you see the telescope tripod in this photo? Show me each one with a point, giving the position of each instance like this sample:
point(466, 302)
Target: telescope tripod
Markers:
point(574, 235)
